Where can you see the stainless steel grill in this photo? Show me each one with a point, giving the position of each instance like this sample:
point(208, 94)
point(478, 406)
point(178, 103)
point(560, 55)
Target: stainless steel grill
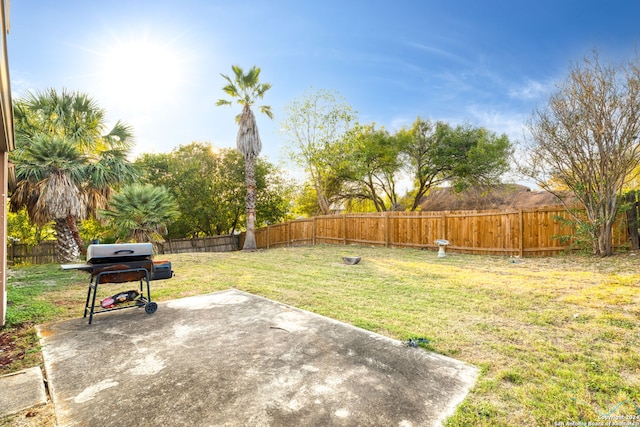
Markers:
point(121, 263)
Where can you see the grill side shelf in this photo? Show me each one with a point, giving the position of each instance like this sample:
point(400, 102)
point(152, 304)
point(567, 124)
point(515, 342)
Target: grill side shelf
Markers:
point(83, 267)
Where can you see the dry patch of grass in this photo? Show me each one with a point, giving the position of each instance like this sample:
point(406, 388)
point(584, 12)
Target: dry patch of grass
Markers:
point(556, 339)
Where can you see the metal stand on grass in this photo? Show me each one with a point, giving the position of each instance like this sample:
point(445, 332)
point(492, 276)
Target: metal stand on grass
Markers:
point(115, 276)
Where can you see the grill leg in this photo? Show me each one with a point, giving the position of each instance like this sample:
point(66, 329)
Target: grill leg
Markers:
point(86, 304)
point(93, 287)
point(148, 287)
point(93, 300)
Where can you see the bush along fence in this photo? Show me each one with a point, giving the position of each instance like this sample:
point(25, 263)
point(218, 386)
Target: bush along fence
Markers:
point(632, 214)
point(522, 232)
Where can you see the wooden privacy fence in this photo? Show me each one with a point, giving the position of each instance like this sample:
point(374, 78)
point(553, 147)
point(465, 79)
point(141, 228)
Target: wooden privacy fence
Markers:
point(226, 243)
point(21, 253)
point(523, 232)
point(45, 252)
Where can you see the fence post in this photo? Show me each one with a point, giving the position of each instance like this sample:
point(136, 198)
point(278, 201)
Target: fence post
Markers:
point(446, 227)
point(443, 227)
point(313, 232)
point(268, 236)
point(288, 233)
point(521, 245)
point(387, 232)
point(344, 229)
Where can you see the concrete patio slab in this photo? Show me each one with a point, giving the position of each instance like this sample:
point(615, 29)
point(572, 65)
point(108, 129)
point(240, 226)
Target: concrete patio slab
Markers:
point(22, 390)
point(235, 359)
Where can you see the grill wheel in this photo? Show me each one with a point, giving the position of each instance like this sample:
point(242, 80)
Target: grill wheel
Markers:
point(150, 307)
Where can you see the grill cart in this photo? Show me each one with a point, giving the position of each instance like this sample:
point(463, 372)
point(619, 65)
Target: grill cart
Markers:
point(121, 263)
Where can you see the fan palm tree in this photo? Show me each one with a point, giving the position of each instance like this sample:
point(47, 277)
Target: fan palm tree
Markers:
point(61, 144)
point(140, 213)
point(49, 179)
point(246, 89)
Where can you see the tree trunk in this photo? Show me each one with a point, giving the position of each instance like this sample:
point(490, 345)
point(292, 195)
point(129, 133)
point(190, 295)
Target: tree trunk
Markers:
point(605, 246)
point(73, 227)
point(66, 247)
point(605, 228)
point(323, 203)
point(250, 200)
point(420, 192)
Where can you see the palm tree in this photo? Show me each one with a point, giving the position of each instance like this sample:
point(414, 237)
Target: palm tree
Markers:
point(140, 213)
point(49, 176)
point(246, 89)
point(66, 164)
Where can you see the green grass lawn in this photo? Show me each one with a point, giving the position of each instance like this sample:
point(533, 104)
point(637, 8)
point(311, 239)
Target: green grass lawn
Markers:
point(557, 339)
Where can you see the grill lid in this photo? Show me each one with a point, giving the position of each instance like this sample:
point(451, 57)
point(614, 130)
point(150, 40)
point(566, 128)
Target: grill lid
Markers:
point(101, 254)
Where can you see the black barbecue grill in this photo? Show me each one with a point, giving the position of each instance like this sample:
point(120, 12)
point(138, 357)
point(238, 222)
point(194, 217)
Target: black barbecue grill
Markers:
point(121, 263)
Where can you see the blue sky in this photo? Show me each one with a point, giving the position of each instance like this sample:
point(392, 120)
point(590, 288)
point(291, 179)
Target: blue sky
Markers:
point(156, 64)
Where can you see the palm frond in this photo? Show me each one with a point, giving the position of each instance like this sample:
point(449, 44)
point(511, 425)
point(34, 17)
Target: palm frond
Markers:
point(238, 72)
point(245, 88)
point(266, 110)
point(47, 155)
point(231, 90)
point(250, 80)
point(261, 89)
point(119, 137)
point(141, 212)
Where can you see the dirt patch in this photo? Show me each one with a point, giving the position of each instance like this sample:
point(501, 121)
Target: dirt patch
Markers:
point(41, 416)
point(18, 348)
point(8, 349)
point(17, 352)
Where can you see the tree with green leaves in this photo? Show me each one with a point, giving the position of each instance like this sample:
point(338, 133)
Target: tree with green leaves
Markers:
point(371, 166)
point(67, 162)
point(208, 184)
point(315, 126)
point(140, 213)
point(246, 89)
point(419, 161)
point(22, 230)
point(586, 140)
point(275, 194)
point(192, 174)
point(462, 156)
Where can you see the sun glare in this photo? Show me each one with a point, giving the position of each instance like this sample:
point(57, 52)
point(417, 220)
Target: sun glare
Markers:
point(141, 70)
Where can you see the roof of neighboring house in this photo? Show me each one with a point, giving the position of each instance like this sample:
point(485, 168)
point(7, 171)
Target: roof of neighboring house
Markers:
point(505, 196)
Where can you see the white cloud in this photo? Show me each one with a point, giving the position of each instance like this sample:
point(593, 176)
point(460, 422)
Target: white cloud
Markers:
point(400, 122)
point(532, 89)
point(439, 52)
point(511, 124)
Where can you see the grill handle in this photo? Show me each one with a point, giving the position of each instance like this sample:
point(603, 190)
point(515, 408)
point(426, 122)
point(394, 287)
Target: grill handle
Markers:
point(123, 251)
